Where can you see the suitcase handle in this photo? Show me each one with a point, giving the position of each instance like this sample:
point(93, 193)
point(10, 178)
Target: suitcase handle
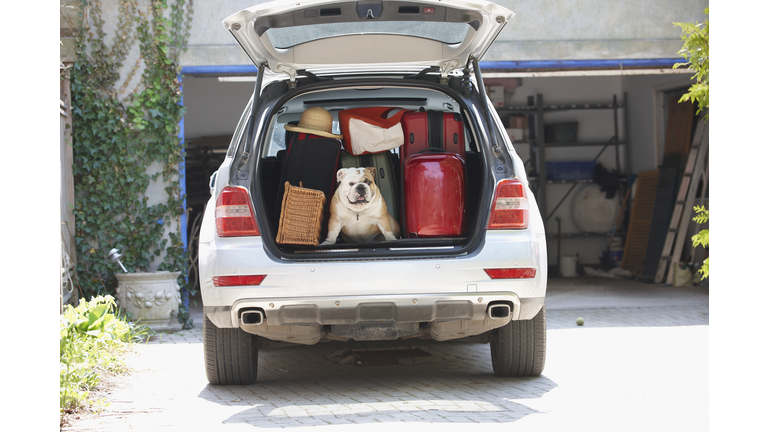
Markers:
point(431, 149)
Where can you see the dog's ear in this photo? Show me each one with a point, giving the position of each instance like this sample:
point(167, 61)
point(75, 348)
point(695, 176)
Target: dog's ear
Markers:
point(371, 170)
point(339, 175)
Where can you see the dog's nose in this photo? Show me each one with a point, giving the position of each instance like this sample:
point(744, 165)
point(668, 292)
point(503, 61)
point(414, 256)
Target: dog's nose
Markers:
point(360, 189)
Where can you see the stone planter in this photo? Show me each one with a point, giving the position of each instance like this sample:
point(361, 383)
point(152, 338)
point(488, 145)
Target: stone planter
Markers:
point(152, 298)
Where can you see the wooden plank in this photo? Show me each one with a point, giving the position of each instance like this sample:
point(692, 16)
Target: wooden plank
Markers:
point(662, 212)
point(640, 221)
point(677, 139)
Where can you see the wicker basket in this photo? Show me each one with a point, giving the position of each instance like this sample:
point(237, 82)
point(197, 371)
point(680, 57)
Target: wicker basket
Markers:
point(301, 217)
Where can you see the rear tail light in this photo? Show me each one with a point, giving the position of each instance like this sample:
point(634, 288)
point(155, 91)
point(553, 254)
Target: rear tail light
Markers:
point(234, 213)
point(510, 206)
point(511, 273)
point(225, 281)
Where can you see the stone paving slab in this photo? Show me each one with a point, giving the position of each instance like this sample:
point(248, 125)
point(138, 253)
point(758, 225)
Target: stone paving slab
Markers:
point(627, 368)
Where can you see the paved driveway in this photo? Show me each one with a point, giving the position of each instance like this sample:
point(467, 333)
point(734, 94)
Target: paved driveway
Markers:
point(639, 363)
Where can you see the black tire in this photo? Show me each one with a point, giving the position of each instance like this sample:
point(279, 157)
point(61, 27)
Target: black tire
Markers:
point(231, 355)
point(520, 347)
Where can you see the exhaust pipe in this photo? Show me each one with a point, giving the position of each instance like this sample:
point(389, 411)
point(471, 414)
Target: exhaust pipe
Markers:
point(251, 317)
point(499, 311)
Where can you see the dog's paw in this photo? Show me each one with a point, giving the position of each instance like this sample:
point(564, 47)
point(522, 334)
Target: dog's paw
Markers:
point(328, 242)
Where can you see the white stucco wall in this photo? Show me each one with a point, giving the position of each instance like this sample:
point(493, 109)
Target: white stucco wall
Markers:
point(540, 30)
point(593, 29)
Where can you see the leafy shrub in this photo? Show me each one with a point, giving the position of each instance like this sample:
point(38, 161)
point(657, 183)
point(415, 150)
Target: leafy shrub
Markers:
point(696, 52)
point(92, 339)
point(702, 237)
point(125, 138)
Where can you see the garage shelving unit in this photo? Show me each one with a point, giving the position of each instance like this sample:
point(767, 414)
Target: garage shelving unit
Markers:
point(536, 111)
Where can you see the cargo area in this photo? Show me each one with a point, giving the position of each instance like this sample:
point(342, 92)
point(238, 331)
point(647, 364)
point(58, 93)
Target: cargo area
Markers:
point(449, 164)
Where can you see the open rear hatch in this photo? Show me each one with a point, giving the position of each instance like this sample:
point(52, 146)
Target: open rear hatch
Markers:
point(321, 38)
point(322, 35)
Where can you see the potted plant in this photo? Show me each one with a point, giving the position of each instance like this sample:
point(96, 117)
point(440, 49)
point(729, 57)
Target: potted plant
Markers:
point(153, 298)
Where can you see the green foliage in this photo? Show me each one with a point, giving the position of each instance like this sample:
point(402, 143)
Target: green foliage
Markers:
point(702, 237)
point(696, 53)
point(91, 340)
point(123, 144)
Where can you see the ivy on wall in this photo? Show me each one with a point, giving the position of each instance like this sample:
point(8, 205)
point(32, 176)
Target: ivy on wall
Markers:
point(127, 140)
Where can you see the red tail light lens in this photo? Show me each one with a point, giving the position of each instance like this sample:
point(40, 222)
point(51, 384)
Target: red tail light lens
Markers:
point(234, 213)
point(225, 281)
point(510, 206)
point(511, 273)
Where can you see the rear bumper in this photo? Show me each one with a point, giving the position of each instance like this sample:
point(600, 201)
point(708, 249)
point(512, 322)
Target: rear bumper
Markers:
point(305, 301)
point(349, 310)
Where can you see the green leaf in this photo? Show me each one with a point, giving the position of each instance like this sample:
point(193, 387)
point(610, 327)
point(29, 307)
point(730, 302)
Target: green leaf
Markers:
point(695, 50)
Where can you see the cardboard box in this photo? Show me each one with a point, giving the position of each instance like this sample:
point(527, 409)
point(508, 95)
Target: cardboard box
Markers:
point(518, 122)
point(496, 94)
point(517, 134)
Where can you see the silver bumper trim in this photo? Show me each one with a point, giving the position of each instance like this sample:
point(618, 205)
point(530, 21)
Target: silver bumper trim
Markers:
point(228, 317)
point(345, 310)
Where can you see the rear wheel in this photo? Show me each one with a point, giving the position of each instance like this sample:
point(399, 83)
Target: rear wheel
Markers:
point(520, 347)
point(231, 355)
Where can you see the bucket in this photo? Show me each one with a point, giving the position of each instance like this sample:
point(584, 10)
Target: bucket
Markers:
point(568, 265)
point(616, 256)
point(617, 251)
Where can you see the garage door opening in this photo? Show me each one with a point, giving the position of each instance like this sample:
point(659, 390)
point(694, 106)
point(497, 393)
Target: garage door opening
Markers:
point(213, 110)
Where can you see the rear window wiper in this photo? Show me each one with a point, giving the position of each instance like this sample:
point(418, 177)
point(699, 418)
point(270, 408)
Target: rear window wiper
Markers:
point(432, 69)
point(313, 76)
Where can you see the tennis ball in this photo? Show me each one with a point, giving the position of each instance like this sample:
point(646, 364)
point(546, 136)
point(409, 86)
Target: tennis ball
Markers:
point(580, 321)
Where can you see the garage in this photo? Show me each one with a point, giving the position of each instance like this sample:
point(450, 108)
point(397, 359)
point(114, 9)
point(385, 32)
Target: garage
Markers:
point(619, 120)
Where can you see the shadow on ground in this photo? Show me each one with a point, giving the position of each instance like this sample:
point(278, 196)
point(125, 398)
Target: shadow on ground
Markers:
point(313, 386)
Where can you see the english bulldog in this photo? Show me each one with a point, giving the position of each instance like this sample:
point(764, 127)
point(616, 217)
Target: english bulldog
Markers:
point(358, 211)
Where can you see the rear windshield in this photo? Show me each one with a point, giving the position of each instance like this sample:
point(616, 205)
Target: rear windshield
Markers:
point(445, 32)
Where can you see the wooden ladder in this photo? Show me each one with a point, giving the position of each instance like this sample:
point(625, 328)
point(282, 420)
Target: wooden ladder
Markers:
point(681, 215)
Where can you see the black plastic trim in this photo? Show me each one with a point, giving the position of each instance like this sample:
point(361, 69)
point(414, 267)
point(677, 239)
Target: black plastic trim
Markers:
point(348, 12)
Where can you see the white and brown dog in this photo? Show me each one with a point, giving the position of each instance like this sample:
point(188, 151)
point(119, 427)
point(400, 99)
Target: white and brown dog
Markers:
point(358, 211)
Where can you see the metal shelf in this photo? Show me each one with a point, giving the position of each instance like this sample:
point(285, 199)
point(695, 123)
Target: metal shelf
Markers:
point(569, 181)
point(536, 113)
point(572, 144)
point(583, 144)
point(610, 106)
point(563, 107)
point(579, 235)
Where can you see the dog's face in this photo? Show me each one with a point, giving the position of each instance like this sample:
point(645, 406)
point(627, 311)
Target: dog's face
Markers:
point(357, 189)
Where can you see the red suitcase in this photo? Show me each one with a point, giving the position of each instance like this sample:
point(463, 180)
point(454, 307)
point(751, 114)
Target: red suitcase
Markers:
point(432, 129)
point(435, 195)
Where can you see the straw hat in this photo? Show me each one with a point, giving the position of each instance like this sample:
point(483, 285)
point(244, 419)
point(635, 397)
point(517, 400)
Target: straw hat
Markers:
point(315, 121)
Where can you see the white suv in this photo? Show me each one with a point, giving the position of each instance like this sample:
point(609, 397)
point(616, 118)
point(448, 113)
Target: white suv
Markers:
point(488, 281)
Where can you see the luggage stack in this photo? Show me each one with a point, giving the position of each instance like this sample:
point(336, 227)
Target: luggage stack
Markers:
point(434, 175)
point(425, 190)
